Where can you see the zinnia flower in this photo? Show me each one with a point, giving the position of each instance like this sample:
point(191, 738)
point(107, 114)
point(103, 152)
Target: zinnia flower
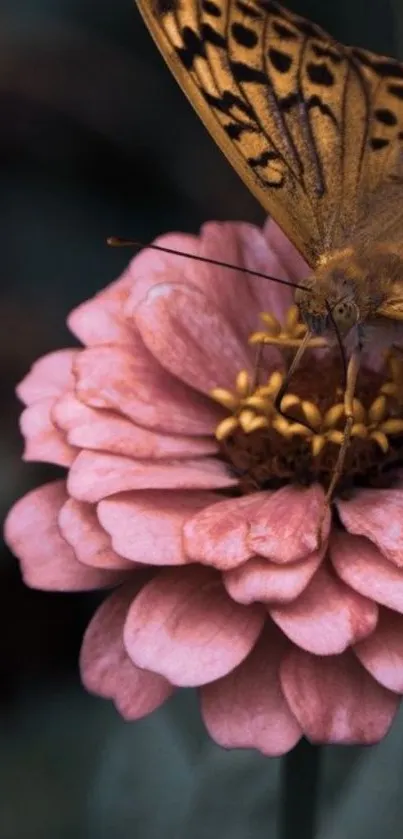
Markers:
point(190, 495)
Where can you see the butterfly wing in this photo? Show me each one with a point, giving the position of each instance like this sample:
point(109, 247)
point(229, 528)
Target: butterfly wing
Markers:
point(312, 127)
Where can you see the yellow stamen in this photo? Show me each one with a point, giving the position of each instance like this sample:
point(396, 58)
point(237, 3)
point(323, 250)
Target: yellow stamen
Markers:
point(225, 398)
point(359, 430)
point(333, 415)
point(242, 383)
point(317, 443)
point(225, 428)
point(335, 436)
point(382, 440)
point(245, 419)
point(359, 411)
point(312, 414)
point(259, 403)
point(291, 319)
point(289, 400)
point(271, 322)
point(392, 426)
point(377, 410)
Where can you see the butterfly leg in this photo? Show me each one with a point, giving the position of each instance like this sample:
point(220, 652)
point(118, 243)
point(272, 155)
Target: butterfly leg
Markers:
point(352, 374)
point(293, 367)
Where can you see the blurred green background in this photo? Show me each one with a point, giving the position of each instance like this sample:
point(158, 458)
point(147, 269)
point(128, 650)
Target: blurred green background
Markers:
point(97, 139)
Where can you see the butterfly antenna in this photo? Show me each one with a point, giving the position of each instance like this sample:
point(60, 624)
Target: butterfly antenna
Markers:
point(116, 242)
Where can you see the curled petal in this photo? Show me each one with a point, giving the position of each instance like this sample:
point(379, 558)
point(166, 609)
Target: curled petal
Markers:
point(286, 527)
point(335, 700)
point(184, 626)
point(47, 561)
point(101, 319)
point(246, 709)
point(174, 320)
point(382, 653)
point(106, 668)
point(95, 475)
point(377, 514)
point(48, 377)
point(359, 563)
point(227, 290)
point(43, 441)
point(327, 617)
point(90, 428)
point(81, 529)
point(132, 383)
point(260, 580)
point(218, 534)
point(147, 526)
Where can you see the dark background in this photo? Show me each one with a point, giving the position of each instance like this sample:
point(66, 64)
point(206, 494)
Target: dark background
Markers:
point(97, 139)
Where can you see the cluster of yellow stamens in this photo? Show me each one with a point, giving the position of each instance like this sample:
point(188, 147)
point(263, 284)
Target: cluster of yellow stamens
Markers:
point(252, 406)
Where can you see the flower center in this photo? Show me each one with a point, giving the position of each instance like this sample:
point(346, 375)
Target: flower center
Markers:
point(267, 449)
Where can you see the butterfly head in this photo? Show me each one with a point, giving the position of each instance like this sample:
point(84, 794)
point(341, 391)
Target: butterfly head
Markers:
point(328, 302)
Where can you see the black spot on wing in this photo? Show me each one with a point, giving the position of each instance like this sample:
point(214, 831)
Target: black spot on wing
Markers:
point(380, 66)
point(286, 103)
point(320, 74)
point(243, 36)
point(326, 52)
point(244, 73)
point(316, 102)
point(385, 116)
point(378, 143)
point(211, 8)
point(280, 60)
point(226, 101)
point(236, 129)
point(193, 47)
point(284, 32)
point(248, 11)
point(396, 90)
point(263, 159)
point(162, 7)
point(211, 36)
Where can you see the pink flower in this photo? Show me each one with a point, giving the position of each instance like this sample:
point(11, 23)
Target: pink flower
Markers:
point(212, 546)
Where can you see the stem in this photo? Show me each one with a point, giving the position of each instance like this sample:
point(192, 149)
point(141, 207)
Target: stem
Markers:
point(298, 792)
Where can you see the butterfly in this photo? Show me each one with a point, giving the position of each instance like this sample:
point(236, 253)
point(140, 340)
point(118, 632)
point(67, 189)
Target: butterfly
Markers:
point(315, 130)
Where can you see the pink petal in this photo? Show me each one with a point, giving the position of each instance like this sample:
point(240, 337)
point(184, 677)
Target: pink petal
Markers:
point(260, 580)
point(327, 617)
point(47, 561)
point(335, 700)
point(359, 563)
point(91, 428)
point(246, 709)
point(377, 514)
point(81, 529)
point(184, 626)
point(133, 384)
point(382, 653)
point(101, 320)
point(190, 338)
point(43, 442)
point(227, 290)
point(147, 526)
point(48, 377)
point(260, 256)
point(218, 534)
point(106, 668)
point(94, 476)
point(286, 527)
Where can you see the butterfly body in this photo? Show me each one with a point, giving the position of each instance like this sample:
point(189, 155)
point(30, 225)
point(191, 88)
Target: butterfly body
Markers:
point(351, 288)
